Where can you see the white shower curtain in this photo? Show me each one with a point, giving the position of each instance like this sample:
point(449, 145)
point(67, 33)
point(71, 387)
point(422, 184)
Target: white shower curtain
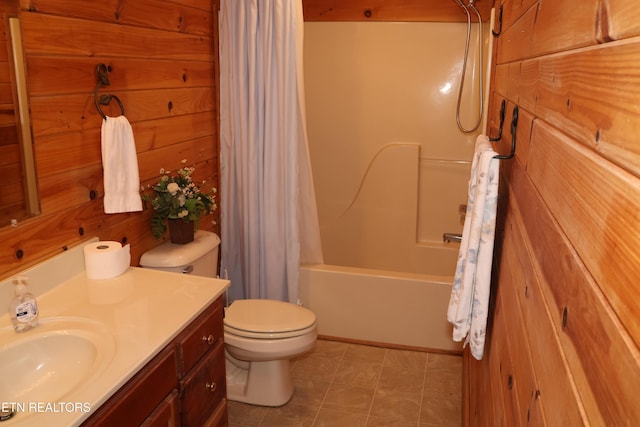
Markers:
point(269, 221)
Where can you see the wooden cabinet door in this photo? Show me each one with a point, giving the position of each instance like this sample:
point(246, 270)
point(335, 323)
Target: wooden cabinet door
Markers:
point(203, 388)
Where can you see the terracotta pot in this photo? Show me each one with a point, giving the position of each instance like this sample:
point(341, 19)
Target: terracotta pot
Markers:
point(181, 232)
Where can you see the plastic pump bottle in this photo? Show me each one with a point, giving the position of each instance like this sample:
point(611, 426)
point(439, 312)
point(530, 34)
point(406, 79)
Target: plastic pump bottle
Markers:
point(24, 308)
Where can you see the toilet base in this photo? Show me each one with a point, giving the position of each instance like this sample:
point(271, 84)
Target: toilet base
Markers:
point(267, 383)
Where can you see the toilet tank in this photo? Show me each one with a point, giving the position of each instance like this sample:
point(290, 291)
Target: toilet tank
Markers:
point(199, 257)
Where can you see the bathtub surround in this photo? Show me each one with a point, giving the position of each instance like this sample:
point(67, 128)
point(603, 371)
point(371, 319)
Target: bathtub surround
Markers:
point(267, 199)
point(391, 170)
point(389, 162)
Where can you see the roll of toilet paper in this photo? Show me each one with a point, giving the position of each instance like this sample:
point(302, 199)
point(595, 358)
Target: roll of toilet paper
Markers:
point(104, 260)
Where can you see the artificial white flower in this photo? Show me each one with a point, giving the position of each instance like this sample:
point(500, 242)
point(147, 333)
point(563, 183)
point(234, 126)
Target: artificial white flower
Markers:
point(173, 188)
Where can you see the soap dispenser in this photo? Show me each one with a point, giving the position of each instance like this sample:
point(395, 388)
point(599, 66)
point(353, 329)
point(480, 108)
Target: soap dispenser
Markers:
point(24, 308)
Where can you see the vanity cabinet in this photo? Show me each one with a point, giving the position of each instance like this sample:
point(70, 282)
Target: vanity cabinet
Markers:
point(184, 385)
point(201, 369)
point(167, 414)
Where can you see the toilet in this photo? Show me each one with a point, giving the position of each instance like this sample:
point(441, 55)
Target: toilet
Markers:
point(260, 336)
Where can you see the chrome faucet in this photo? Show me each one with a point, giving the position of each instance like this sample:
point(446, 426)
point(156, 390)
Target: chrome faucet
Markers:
point(451, 237)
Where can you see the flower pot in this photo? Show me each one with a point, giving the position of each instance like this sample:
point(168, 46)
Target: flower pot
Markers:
point(181, 232)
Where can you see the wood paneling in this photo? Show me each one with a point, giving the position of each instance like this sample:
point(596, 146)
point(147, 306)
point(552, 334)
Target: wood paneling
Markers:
point(501, 370)
point(524, 384)
point(172, 16)
point(384, 10)
point(163, 58)
point(75, 75)
point(602, 357)
point(516, 41)
point(78, 37)
point(557, 26)
point(513, 10)
point(521, 283)
point(591, 94)
point(623, 17)
point(567, 319)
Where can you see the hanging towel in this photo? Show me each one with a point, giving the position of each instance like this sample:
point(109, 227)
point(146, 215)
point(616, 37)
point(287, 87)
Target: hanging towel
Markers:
point(469, 301)
point(120, 166)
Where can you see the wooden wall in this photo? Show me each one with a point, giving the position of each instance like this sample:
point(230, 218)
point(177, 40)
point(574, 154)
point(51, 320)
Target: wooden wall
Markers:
point(385, 10)
point(563, 348)
point(163, 56)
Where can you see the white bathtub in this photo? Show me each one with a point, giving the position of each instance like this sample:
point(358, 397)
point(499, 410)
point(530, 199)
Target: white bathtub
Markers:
point(388, 181)
point(375, 306)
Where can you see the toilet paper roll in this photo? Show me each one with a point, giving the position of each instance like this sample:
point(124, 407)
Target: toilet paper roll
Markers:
point(104, 260)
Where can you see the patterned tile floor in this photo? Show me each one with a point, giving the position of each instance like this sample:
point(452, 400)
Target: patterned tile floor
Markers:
point(350, 385)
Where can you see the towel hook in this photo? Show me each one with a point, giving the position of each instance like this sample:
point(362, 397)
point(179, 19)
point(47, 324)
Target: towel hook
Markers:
point(514, 129)
point(103, 80)
point(503, 106)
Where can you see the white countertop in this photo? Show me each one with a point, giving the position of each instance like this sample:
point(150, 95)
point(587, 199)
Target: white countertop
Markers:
point(142, 310)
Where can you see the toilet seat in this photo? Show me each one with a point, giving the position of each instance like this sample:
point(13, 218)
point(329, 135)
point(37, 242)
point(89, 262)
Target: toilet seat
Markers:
point(268, 335)
point(268, 319)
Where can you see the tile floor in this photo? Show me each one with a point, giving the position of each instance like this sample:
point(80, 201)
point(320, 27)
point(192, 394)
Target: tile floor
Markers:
point(350, 385)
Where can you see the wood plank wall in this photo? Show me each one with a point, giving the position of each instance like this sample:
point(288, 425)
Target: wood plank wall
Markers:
point(385, 10)
point(565, 330)
point(163, 56)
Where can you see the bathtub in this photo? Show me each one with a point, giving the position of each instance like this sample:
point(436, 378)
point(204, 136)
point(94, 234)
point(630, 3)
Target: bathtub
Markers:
point(390, 172)
point(404, 310)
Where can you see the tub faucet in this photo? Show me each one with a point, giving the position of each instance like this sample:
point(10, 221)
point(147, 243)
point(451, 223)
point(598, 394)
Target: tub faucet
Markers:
point(451, 237)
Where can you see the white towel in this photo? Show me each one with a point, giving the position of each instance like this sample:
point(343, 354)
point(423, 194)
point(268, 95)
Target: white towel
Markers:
point(469, 301)
point(120, 165)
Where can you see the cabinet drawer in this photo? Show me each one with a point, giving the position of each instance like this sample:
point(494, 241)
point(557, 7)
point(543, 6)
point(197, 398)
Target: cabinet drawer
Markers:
point(204, 333)
point(203, 388)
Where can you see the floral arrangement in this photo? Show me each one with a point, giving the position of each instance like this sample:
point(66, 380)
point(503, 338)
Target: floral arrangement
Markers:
point(178, 197)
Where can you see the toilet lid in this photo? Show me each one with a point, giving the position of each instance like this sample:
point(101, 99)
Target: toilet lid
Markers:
point(267, 316)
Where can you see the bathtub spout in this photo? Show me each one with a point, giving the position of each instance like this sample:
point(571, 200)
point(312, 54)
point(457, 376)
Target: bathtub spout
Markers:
point(451, 237)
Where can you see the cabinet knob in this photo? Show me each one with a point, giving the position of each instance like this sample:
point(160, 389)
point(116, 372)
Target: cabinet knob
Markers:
point(211, 387)
point(209, 340)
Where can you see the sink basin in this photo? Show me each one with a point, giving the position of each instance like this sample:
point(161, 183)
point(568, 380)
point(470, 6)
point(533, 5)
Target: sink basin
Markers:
point(50, 361)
